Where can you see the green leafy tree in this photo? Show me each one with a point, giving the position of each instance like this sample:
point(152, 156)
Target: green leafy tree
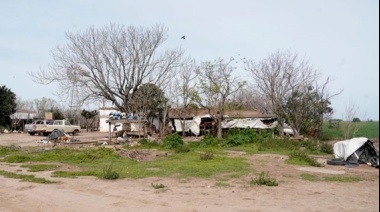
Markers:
point(147, 98)
point(57, 113)
point(305, 110)
point(7, 105)
point(217, 84)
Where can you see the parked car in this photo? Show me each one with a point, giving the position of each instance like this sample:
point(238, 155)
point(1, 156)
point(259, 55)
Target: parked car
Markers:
point(64, 126)
point(37, 126)
point(45, 127)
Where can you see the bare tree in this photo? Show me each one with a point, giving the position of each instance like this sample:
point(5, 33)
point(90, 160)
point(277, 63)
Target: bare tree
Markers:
point(217, 84)
point(184, 89)
point(350, 128)
point(110, 63)
point(250, 99)
point(43, 105)
point(282, 75)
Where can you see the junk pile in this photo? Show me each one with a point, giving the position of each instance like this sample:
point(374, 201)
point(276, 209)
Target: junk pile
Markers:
point(355, 151)
point(57, 136)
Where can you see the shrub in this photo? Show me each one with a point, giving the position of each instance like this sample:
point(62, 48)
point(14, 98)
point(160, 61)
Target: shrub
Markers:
point(326, 148)
point(173, 141)
point(299, 157)
point(158, 185)
point(182, 149)
point(206, 155)
point(264, 179)
point(109, 173)
point(209, 140)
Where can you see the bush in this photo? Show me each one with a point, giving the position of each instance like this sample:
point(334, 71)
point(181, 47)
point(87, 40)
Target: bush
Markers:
point(206, 155)
point(109, 173)
point(326, 148)
point(173, 141)
point(158, 185)
point(299, 157)
point(264, 179)
point(209, 140)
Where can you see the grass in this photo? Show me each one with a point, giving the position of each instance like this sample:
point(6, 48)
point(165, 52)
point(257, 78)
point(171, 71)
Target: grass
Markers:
point(343, 179)
point(301, 158)
point(25, 178)
point(366, 129)
point(40, 167)
point(204, 159)
point(96, 162)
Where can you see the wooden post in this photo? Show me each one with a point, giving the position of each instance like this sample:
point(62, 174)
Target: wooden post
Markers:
point(109, 129)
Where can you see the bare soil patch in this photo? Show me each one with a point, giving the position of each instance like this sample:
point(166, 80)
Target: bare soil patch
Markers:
point(214, 194)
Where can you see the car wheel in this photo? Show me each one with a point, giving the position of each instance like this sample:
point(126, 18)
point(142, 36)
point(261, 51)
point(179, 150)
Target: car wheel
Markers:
point(75, 133)
point(32, 133)
point(336, 162)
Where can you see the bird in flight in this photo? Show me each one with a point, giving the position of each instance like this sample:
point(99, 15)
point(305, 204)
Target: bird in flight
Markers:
point(183, 37)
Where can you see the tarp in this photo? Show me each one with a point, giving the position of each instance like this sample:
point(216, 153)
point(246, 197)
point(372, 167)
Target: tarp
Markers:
point(344, 149)
point(356, 151)
point(55, 134)
point(254, 123)
point(190, 125)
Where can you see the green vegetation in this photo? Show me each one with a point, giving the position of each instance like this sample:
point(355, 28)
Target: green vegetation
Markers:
point(204, 159)
point(301, 158)
point(158, 185)
point(368, 129)
point(208, 155)
point(5, 150)
point(264, 179)
point(25, 178)
point(343, 179)
point(109, 173)
point(40, 167)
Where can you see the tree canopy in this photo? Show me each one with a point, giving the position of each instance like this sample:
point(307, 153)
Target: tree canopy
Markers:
point(7, 105)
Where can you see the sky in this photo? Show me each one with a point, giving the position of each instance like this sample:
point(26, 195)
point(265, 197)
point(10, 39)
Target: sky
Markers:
point(339, 38)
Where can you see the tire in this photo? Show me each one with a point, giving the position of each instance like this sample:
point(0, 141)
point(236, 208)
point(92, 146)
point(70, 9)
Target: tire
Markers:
point(31, 133)
point(336, 162)
point(75, 132)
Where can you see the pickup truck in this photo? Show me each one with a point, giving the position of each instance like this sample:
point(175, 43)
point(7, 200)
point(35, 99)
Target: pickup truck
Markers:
point(46, 127)
point(37, 127)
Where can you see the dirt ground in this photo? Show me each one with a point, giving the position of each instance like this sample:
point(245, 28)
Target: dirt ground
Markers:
point(91, 194)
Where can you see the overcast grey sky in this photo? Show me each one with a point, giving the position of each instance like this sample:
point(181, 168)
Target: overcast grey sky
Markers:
point(340, 38)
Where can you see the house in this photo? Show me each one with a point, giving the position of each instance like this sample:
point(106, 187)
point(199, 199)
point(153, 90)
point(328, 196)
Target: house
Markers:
point(22, 117)
point(199, 122)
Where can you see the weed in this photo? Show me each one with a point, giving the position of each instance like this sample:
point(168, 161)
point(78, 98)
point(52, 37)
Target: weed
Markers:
point(301, 158)
point(172, 141)
point(5, 150)
point(109, 173)
point(158, 185)
point(343, 179)
point(209, 140)
point(206, 155)
point(264, 179)
point(25, 178)
point(222, 184)
point(326, 148)
point(40, 167)
point(182, 149)
point(309, 177)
